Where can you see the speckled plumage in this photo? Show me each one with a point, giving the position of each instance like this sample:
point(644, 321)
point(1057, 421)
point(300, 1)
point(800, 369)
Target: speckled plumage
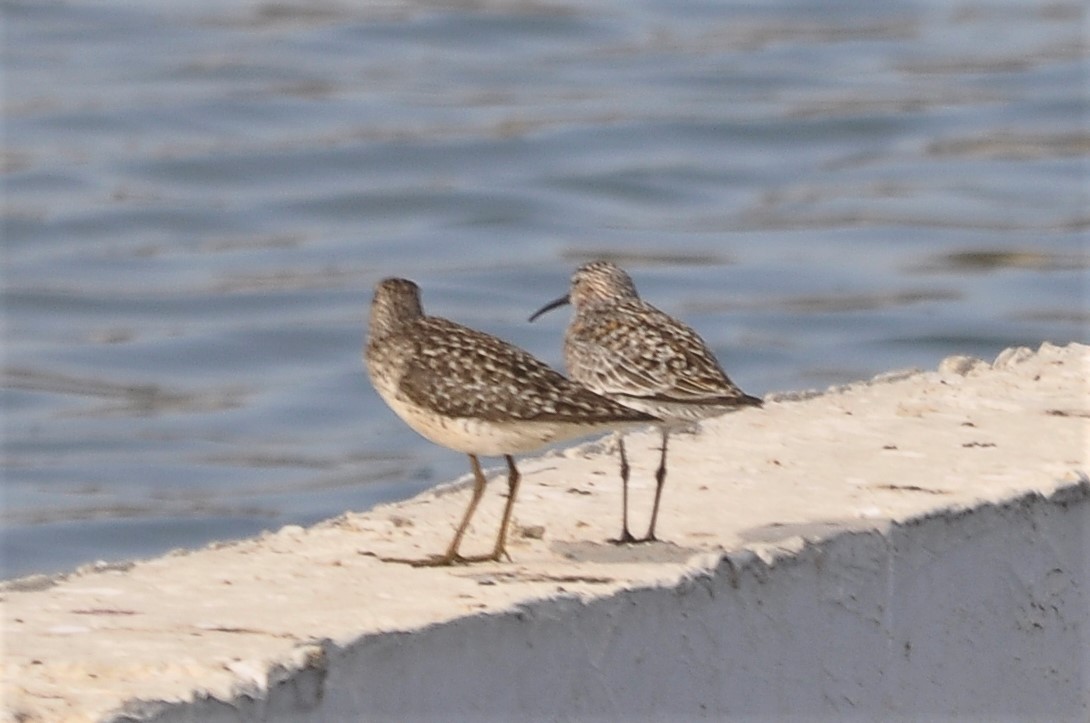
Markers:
point(620, 346)
point(475, 393)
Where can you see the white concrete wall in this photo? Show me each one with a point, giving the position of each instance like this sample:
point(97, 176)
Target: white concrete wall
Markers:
point(911, 548)
point(973, 614)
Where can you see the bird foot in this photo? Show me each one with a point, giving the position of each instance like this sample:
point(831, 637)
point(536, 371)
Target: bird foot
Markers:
point(432, 561)
point(448, 560)
point(625, 538)
point(491, 557)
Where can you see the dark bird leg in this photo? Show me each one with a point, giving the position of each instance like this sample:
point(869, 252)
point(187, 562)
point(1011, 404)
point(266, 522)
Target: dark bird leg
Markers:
point(625, 536)
point(660, 479)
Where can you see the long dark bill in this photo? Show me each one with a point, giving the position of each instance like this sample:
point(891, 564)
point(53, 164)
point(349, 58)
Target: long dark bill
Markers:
point(550, 306)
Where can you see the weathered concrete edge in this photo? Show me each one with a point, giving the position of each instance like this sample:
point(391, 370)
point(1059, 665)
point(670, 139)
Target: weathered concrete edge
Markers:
point(297, 690)
point(962, 365)
point(43, 581)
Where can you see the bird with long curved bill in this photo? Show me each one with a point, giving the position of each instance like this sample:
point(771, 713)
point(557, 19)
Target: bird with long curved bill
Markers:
point(625, 349)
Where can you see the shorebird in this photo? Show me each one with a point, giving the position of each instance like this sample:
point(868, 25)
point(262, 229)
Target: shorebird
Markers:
point(623, 348)
point(474, 393)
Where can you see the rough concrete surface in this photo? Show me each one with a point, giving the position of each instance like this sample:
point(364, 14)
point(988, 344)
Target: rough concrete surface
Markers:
point(917, 546)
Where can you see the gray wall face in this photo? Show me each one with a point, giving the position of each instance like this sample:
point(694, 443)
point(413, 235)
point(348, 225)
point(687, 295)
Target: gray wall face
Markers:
point(980, 614)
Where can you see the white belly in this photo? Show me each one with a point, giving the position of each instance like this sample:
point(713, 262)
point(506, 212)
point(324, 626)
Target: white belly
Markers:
point(483, 437)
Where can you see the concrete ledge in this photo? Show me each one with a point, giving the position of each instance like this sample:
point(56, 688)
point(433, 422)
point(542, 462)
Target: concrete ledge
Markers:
point(914, 547)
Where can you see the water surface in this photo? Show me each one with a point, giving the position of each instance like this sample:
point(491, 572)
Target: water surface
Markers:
point(200, 198)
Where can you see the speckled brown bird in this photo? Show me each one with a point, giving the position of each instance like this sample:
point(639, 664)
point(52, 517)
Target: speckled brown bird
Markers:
point(620, 346)
point(474, 393)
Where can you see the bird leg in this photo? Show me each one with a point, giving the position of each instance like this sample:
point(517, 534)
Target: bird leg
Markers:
point(660, 479)
point(451, 556)
point(513, 479)
point(625, 536)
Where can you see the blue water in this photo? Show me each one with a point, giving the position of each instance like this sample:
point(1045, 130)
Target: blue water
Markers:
point(200, 198)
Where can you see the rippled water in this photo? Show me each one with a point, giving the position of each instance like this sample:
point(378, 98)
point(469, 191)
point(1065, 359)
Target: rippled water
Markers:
point(199, 199)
